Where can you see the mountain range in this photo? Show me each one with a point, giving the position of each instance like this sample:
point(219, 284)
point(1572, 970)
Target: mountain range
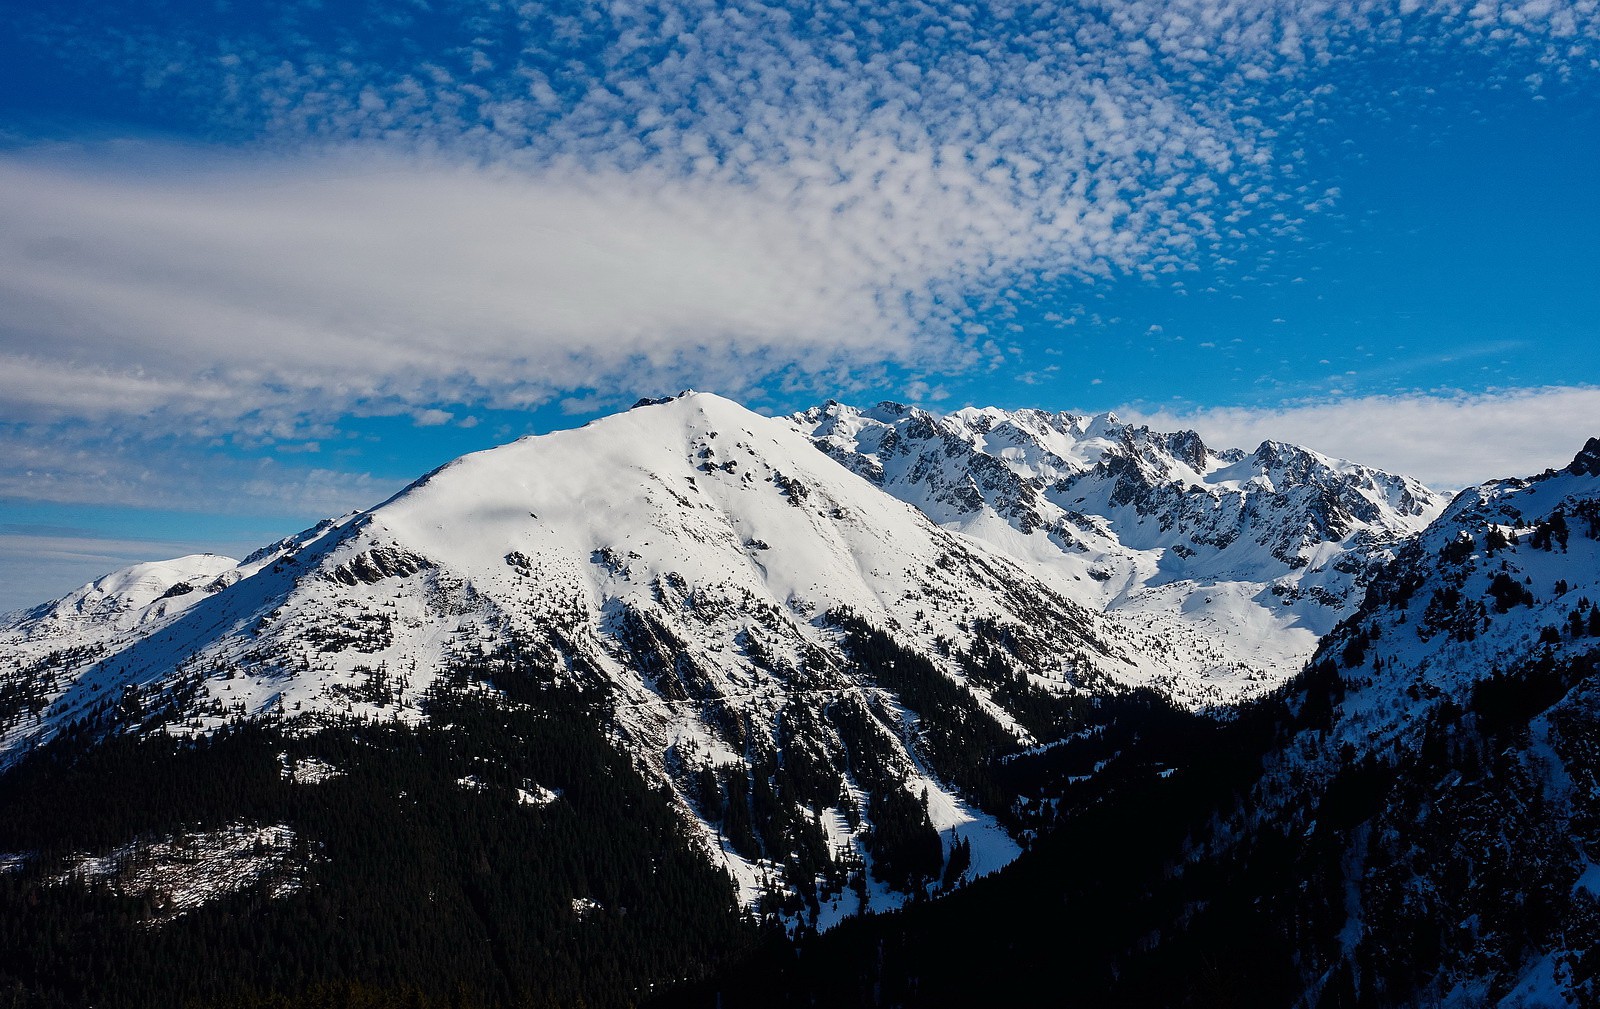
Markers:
point(737, 679)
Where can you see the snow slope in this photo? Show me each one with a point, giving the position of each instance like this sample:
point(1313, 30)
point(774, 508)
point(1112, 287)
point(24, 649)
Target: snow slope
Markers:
point(1490, 586)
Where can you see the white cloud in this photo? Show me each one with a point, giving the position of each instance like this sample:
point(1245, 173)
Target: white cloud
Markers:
point(431, 417)
point(178, 283)
point(363, 276)
point(762, 193)
point(1448, 441)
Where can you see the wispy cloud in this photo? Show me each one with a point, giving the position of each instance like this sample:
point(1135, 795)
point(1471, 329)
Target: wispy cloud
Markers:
point(1447, 440)
point(538, 201)
point(80, 464)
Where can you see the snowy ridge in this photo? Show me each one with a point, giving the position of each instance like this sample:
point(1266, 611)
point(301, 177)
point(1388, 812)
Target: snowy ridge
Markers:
point(1493, 584)
point(131, 597)
point(1227, 566)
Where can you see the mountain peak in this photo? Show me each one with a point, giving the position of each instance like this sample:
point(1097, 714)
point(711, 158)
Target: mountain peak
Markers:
point(681, 395)
point(1587, 461)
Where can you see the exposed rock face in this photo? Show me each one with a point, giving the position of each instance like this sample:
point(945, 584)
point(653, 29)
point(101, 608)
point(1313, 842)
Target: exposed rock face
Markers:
point(1587, 461)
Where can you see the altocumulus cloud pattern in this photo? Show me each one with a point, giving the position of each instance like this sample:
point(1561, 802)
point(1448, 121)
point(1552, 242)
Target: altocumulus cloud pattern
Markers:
point(502, 200)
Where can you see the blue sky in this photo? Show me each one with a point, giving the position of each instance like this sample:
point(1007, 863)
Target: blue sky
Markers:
point(262, 263)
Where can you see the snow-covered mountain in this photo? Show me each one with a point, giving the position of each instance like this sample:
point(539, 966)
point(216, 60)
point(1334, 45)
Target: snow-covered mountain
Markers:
point(1237, 563)
point(1508, 576)
point(739, 600)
